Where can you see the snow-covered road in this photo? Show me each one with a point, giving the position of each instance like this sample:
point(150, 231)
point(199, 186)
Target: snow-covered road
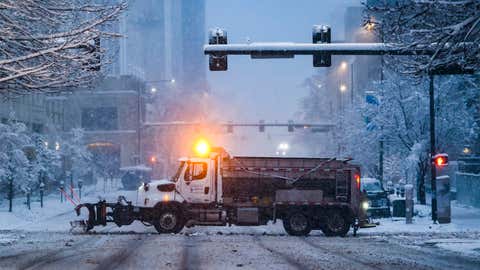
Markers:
point(40, 239)
point(211, 249)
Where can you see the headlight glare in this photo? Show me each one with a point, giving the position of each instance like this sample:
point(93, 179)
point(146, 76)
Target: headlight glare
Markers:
point(365, 205)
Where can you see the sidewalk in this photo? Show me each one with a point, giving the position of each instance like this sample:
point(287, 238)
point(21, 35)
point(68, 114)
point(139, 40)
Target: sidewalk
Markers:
point(54, 216)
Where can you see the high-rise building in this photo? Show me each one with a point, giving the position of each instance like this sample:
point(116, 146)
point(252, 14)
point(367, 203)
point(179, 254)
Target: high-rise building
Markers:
point(164, 40)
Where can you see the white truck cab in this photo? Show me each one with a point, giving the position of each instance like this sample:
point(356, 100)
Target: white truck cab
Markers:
point(194, 182)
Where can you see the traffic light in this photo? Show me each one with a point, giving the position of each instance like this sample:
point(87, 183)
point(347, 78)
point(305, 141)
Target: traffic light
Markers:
point(261, 126)
point(440, 160)
point(290, 126)
point(321, 34)
point(217, 62)
point(152, 159)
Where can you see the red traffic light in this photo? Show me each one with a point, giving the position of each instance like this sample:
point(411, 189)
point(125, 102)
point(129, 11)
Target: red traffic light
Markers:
point(440, 160)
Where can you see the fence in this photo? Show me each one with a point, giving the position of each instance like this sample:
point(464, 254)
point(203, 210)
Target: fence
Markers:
point(468, 188)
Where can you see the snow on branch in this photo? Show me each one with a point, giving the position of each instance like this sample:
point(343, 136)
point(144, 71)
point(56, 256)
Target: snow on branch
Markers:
point(421, 22)
point(53, 45)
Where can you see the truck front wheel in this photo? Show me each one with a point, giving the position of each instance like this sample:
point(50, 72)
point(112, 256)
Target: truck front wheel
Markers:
point(336, 225)
point(169, 221)
point(297, 224)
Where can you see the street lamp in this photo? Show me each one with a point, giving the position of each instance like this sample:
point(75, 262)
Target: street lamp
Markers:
point(343, 65)
point(153, 90)
point(370, 24)
point(343, 87)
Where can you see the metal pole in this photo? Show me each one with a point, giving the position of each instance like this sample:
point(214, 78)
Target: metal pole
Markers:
point(433, 172)
point(71, 184)
point(380, 161)
point(351, 84)
point(42, 186)
point(139, 119)
point(10, 193)
point(28, 199)
point(380, 167)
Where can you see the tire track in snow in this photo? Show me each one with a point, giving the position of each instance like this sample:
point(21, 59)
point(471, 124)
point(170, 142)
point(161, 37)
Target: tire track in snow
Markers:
point(354, 260)
point(294, 263)
point(190, 258)
point(56, 255)
point(116, 260)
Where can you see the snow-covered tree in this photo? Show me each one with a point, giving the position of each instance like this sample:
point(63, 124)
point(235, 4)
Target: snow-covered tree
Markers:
point(450, 27)
point(50, 45)
point(75, 153)
point(47, 160)
point(14, 164)
point(401, 120)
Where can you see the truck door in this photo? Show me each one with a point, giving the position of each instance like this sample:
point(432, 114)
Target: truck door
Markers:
point(198, 184)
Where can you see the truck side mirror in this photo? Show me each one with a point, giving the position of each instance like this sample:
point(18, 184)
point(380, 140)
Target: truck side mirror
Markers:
point(188, 175)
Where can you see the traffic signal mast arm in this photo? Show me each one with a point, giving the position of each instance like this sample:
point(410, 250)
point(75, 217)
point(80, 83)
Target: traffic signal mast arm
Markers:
point(239, 124)
point(290, 48)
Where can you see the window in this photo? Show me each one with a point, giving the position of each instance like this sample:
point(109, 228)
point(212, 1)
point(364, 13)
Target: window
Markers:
point(179, 171)
point(198, 171)
point(104, 118)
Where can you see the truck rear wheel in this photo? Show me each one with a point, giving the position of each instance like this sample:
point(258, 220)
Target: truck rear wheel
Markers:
point(169, 221)
point(337, 224)
point(297, 224)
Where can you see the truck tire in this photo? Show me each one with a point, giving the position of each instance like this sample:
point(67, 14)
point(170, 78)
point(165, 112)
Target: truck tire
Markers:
point(169, 221)
point(336, 224)
point(297, 224)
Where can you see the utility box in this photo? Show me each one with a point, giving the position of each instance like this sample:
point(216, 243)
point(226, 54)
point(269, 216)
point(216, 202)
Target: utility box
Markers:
point(408, 203)
point(398, 206)
point(443, 199)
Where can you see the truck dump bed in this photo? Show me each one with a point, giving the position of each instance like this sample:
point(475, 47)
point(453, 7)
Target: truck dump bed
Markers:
point(247, 177)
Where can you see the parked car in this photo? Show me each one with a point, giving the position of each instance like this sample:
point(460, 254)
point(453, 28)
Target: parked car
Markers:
point(378, 202)
point(134, 176)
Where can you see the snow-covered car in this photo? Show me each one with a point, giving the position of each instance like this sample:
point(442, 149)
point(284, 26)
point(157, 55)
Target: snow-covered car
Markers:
point(134, 176)
point(378, 202)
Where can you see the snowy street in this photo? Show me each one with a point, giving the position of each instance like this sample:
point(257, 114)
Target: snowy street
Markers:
point(42, 241)
point(211, 249)
point(240, 134)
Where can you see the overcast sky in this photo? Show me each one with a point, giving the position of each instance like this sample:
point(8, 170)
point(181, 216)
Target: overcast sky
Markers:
point(268, 89)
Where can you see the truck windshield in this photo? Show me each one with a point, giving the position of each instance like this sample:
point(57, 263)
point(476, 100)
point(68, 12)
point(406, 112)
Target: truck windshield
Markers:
point(179, 171)
point(372, 186)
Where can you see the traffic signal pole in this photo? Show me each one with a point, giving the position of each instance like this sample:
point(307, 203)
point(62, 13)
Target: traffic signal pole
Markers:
point(433, 172)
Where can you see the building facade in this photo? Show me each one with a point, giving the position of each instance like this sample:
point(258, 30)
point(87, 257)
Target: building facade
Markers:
point(110, 115)
point(164, 43)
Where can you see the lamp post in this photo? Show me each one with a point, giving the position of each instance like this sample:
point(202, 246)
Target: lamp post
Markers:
point(42, 187)
point(80, 185)
point(370, 25)
point(62, 188)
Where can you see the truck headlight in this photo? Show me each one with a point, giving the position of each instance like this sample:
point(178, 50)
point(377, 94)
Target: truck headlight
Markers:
point(365, 205)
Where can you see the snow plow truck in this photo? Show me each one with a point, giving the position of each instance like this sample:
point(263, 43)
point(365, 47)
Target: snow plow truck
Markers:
point(216, 189)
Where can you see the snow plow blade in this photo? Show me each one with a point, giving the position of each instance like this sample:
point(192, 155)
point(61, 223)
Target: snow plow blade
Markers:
point(369, 225)
point(97, 215)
